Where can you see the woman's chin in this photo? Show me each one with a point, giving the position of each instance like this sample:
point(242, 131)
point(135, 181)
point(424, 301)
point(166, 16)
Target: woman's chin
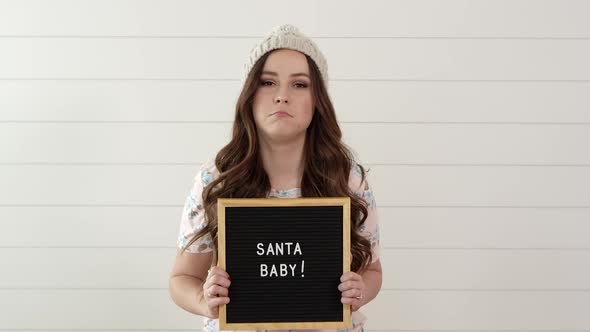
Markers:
point(279, 135)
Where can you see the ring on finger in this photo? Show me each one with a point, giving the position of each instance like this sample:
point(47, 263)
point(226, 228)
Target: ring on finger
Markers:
point(360, 296)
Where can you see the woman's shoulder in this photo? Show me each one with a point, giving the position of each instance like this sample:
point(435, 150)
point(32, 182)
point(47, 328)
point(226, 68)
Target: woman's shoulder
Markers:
point(355, 178)
point(207, 172)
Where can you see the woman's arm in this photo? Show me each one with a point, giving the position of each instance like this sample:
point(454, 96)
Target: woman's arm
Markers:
point(187, 292)
point(186, 281)
point(365, 285)
point(196, 290)
point(372, 278)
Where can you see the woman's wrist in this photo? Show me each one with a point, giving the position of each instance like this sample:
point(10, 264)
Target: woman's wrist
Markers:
point(201, 302)
point(372, 282)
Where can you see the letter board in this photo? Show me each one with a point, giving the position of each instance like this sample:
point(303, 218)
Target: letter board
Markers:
point(285, 257)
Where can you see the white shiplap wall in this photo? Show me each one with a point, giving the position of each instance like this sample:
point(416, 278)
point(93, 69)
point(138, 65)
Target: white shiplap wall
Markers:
point(108, 107)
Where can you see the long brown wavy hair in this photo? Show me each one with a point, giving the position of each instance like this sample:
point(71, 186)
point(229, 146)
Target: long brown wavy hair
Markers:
point(327, 164)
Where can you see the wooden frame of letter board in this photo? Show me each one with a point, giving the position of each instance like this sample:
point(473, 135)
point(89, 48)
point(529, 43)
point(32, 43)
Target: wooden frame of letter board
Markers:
point(222, 203)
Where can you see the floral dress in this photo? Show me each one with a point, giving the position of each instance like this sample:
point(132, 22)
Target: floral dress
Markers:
point(193, 220)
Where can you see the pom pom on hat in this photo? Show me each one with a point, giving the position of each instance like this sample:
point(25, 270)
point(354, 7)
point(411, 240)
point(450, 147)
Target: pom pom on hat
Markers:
point(286, 36)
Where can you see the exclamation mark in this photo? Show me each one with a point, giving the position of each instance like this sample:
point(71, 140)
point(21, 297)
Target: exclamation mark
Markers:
point(302, 268)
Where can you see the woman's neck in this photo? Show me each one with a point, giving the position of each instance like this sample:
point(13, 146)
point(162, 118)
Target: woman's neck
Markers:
point(283, 162)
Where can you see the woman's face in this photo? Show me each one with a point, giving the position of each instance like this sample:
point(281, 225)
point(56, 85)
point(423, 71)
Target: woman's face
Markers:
point(284, 85)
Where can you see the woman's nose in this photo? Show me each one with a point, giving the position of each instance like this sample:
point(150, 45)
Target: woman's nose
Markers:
point(281, 94)
point(279, 99)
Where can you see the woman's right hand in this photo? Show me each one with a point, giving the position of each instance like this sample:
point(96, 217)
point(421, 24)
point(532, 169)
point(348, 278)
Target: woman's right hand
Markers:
point(215, 290)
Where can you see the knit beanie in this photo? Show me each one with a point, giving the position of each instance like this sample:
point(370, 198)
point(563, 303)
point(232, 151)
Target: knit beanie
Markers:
point(287, 36)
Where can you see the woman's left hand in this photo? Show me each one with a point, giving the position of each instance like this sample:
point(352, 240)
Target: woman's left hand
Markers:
point(352, 287)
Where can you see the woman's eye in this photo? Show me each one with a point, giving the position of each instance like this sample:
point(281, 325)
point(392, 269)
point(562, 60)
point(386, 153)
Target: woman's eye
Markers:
point(269, 83)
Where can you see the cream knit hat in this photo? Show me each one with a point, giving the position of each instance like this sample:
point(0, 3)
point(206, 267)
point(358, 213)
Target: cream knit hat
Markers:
point(287, 36)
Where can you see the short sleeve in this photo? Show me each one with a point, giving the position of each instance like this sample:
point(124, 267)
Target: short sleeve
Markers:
point(370, 228)
point(193, 215)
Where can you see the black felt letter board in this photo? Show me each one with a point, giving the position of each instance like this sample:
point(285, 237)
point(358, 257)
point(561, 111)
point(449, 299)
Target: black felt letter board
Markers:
point(285, 258)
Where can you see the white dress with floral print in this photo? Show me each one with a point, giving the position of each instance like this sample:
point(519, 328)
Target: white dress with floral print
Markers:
point(192, 221)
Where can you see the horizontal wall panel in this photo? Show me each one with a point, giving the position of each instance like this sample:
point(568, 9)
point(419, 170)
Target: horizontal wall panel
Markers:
point(119, 142)
point(479, 311)
point(154, 309)
point(387, 101)
point(402, 268)
point(86, 267)
point(124, 226)
point(404, 227)
point(456, 18)
point(93, 309)
point(197, 142)
point(374, 59)
point(464, 227)
point(486, 269)
point(394, 185)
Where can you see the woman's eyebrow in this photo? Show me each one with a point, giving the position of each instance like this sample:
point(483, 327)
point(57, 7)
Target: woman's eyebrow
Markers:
point(275, 74)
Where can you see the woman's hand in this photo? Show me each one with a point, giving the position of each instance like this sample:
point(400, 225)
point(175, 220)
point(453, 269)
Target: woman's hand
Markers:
point(352, 287)
point(215, 290)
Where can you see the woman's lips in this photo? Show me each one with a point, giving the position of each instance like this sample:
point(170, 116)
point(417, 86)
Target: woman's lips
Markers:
point(281, 113)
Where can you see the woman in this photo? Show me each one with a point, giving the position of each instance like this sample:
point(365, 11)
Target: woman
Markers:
point(285, 143)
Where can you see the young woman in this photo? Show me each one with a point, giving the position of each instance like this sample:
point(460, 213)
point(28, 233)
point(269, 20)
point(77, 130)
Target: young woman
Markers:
point(286, 142)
